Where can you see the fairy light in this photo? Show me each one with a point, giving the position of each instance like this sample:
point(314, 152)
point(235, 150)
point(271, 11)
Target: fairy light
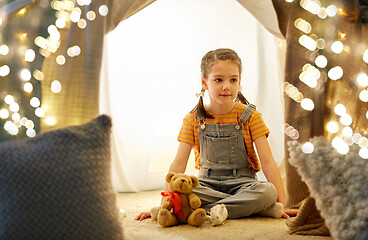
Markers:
point(303, 25)
point(39, 112)
point(363, 142)
point(25, 74)
point(50, 121)
point(332, 127)
point(103, 10)
point(60, 23)
point(362, 80)
point(356, 137)
point(91, 15)
point(4, 50)
point(307, 148)
point(31, 133)
point(16, 116)
point(346, 119)
point(312, 6)
point(56, 86)
point(37, 74)
point(35, 102)
point(4, 113)
point(365, 56)
point(363, 153)
point(310, 75)
point(11, 128)
point(363, 96)
point(14, 107)
point(29, 124)
point(75, 15)
point(322, 13)
point(60, 60)
point(9, 99)
point(340, 145)
point(73, 51)
point(320, 43)
point(340, 109)
point(29, 55)
point(331, 10)
point(308, 42)
point(291, 131)
point(82, 23)
point(321, 61)
point(342, 36)
point(307, 104)
point(28, 87)
point(347, 131)
point(335, 73)
point(4, 70)
point(337, 47)
point(292, 92)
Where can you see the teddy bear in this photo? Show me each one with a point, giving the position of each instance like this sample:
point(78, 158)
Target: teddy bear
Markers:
point(180, 205)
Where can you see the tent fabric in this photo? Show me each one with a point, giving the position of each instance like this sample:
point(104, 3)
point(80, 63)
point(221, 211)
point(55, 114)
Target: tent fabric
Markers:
point(349, 21)
point(78, 102)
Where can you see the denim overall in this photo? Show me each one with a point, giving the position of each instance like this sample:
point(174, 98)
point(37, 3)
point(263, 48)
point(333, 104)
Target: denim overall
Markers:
point(225, 176)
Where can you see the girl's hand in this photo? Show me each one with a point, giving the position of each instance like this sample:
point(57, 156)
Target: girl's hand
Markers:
point(288, 212)
point(143, 215)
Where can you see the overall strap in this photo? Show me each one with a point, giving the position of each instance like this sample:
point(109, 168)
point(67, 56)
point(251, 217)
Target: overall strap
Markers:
point(247, 112)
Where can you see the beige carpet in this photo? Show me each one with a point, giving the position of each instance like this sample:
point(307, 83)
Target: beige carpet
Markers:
point(247, 228)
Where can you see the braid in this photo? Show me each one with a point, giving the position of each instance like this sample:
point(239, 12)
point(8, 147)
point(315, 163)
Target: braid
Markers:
point(241, 98)
point(199, 108)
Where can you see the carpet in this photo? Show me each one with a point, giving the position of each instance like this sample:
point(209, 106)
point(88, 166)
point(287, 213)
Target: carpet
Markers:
point(247, 228)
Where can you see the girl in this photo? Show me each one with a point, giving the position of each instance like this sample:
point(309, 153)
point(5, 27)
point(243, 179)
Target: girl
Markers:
point(222, 136)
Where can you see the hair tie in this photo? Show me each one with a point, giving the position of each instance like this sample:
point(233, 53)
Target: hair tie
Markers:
point(201, 94)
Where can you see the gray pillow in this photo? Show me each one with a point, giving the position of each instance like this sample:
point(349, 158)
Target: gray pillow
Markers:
point(338, 183)
point(58, 185)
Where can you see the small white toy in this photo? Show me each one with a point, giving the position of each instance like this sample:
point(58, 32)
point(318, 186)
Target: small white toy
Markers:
point(154, 212)
point(218, 214)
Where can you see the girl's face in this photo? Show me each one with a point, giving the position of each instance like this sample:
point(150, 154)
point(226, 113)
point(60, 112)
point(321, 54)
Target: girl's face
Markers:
point(222, 83)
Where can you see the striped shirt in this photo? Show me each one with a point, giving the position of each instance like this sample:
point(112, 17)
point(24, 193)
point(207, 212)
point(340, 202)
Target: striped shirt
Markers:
point(253, 128)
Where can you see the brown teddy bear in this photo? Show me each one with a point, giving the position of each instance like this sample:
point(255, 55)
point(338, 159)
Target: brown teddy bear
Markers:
point(181, 205)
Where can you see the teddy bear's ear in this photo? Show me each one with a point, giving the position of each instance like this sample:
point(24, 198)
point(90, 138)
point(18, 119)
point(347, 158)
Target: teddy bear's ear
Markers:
point(195, 181)
point(169, 176)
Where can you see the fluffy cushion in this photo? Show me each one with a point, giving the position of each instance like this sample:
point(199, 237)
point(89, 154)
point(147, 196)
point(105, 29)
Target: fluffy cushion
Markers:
point(338, 183)
point(58, 185)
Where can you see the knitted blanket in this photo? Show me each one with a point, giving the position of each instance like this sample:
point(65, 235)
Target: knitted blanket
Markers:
point(338, 183)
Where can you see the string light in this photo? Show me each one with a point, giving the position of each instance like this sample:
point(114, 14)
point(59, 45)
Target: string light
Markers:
point(332, 127)
point(66, 13)
point(308, 42)
point(365, 56)
point(331, 10)
point(312, 6)
point(340, 109)
point(346, 119)
point(321, 61)
point(335, 73)
point(4, 70)
point(103, 10)
point(362, 80)
point(30, 55)
point(308, 148)
point(337, 47)
point(4, 50)
point(363, 96)
point(307, 104)
point(56, 86)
